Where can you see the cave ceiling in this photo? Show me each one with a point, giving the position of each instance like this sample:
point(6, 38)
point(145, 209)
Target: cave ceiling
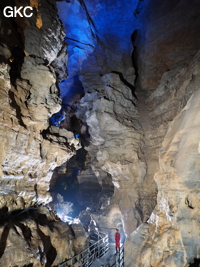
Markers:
point(103, 36)
point(98, 35)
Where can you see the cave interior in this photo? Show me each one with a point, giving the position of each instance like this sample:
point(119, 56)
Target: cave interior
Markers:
point(99, 129)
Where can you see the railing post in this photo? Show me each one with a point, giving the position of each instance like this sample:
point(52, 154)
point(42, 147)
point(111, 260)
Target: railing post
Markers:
point(123, 256)
point(98, 244)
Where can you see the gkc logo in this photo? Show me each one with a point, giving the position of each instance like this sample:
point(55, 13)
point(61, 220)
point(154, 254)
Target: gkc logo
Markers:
point(14, 11)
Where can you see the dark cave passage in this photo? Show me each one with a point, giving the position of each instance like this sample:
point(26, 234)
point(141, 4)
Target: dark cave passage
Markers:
point(196, 263)
point(76, 187)
point(67, 184)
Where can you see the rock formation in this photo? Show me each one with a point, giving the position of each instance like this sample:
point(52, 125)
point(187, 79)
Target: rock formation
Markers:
point(30, 149)
point(112, 120)
point(170, 236)
point(165, 61)
point(170, 87)
point(118, 138)
point(36, 237)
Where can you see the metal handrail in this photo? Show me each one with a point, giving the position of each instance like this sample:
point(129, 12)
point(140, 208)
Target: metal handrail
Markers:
point(119, 259)
point(86, 257)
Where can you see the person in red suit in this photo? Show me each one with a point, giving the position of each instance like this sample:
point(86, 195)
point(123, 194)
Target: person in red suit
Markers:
point(117, 240)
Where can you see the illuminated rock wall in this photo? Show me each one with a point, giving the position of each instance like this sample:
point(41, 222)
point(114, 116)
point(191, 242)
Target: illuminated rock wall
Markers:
point(99, 42)
point(29, 98)
point(167, 59)
point(137, 117)
point(165, 40)
point(170, 236)
point(30, 234)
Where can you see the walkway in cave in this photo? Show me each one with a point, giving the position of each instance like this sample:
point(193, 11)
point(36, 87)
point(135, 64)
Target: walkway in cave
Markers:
point(100, 253)
point(110, 259)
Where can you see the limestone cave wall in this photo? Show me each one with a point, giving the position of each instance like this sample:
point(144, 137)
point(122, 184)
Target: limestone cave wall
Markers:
point(127, 98)
point(33, 61)
point(168, 66)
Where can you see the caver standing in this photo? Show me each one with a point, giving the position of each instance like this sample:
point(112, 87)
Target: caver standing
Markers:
point(117, 240)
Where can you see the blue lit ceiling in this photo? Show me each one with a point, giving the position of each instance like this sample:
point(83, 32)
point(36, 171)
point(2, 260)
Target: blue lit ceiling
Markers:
point(98, 35)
